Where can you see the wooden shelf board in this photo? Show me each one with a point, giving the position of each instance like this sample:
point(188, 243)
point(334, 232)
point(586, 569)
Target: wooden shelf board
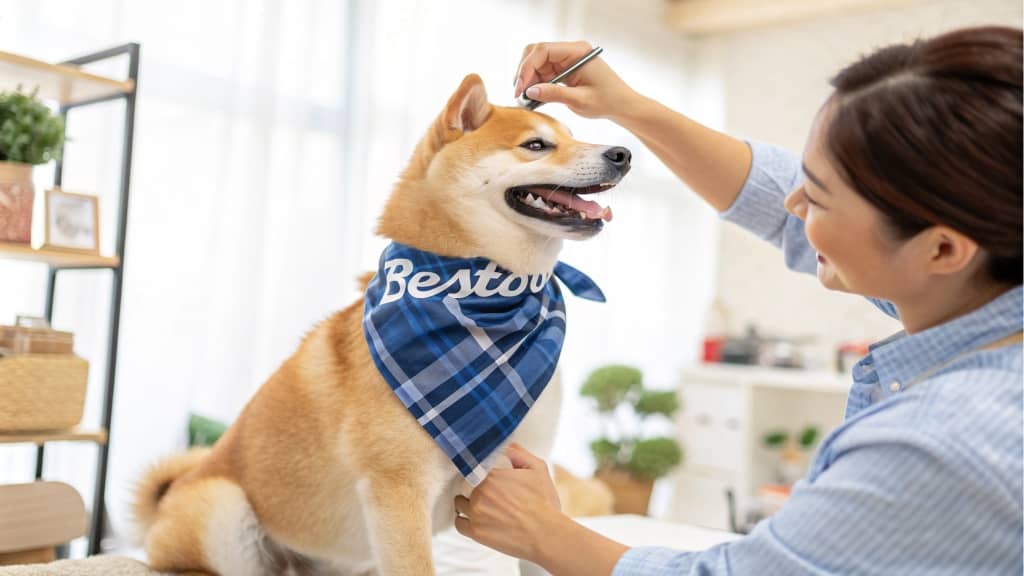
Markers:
point(38, 515)
point(61, 82)
point(72, 435)
point(58, 258)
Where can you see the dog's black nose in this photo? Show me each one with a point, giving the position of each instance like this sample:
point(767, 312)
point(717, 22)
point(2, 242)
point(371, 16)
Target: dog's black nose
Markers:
point(618, 156)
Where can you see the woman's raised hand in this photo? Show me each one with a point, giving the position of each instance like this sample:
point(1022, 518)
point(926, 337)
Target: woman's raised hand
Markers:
point(593, 91)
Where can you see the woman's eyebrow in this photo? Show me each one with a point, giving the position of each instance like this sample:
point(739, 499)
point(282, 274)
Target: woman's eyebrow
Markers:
point(810, 176)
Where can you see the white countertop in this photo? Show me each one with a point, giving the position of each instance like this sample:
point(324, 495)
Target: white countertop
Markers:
point(456, 555)
point(792, 378)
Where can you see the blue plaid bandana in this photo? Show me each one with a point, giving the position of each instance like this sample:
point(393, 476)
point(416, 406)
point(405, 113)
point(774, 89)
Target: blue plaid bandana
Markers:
point(466, 346)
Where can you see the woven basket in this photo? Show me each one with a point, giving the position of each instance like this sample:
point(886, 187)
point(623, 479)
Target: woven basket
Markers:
point(41, 391)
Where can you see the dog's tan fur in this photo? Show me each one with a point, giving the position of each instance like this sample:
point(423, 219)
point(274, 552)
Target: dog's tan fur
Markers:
point(325, 471)
point(582, 496)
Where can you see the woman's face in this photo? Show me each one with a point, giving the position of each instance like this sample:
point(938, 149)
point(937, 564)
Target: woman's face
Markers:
point(855, 252)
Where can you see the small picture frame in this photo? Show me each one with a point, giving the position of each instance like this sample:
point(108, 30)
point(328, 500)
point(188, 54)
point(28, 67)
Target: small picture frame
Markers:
point(72, 222)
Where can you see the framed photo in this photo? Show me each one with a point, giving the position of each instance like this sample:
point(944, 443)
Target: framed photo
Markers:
point(72, 222)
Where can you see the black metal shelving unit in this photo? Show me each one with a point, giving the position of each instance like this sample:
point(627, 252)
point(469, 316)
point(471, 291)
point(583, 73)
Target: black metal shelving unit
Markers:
point(116, 267)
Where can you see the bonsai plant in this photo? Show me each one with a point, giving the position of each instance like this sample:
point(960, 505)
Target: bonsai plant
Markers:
point(793, 451)
point(29, 134)
point(627, 460)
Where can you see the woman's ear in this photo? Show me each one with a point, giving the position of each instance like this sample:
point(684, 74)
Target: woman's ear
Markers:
point(948, 251)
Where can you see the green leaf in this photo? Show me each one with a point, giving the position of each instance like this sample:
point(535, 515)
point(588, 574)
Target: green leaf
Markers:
point(775, 438)
point(204, 431)
point(655, 457)
point(657, 402)
point(606, 452)
point(610, 385)
point(29, 131)
point(808, 437)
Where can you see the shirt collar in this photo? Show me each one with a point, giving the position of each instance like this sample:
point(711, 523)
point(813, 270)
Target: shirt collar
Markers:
point(901, 358)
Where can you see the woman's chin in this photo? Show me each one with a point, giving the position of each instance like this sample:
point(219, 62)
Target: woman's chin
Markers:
point(828, 278)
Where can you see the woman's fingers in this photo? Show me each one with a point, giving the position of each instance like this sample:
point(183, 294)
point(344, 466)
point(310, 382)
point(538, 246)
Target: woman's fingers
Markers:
point(463, 526)
point(552, 93)
point(462, 505)
point(545, 60)
point(519, 69)
point(522, 458)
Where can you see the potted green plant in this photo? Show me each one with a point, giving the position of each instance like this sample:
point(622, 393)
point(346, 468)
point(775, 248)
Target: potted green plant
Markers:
point(30, 134)
point(793, 451)
point(628, 460)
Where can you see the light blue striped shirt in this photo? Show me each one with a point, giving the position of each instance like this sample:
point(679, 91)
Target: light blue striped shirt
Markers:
point(925, 480)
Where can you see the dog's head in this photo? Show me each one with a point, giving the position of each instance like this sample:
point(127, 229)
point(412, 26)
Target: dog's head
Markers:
point(507, 184)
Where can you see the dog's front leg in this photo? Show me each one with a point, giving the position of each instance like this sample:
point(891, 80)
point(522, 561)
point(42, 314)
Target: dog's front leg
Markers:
point(399, 525)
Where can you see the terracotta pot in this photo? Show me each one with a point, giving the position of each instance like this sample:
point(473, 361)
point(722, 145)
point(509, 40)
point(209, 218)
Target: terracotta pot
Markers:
point(632, 494)
point(16, 194)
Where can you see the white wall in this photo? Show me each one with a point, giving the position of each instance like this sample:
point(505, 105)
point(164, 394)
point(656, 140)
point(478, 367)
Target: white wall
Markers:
point(773, 80)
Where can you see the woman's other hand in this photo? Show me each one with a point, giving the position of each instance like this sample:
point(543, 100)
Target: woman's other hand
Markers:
point(511, 510)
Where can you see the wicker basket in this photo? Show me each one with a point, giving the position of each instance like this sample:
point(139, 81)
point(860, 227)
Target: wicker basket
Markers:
point(41, 391)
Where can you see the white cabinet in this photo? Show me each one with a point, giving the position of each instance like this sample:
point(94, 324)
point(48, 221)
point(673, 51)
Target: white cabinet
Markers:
point(712, 424)
point(700, 499)
point(725, 412)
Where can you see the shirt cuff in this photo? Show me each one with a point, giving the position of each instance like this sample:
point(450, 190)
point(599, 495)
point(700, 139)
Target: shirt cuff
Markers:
point(759, 207)
point(649, 560)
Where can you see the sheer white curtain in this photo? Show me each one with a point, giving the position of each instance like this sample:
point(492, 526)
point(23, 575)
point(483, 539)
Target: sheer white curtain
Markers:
point(268, 136)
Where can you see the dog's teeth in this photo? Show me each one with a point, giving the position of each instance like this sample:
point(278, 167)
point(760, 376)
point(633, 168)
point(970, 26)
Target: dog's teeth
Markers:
point(583, 216)
point(530, 198)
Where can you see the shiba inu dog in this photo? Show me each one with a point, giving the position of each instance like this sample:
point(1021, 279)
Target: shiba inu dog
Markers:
point(326, 471)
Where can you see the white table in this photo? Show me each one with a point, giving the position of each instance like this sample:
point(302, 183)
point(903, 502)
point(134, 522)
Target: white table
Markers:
point(457, 555)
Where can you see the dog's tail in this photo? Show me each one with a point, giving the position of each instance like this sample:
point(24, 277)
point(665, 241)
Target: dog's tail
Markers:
point(157, 481)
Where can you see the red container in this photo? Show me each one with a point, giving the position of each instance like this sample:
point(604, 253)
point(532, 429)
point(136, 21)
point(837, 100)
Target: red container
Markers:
point(713, 348)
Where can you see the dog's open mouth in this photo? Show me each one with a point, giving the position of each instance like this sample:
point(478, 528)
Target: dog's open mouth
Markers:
point(560, 204)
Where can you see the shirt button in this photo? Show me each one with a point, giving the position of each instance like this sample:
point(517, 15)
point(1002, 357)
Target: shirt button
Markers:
point(894, 387)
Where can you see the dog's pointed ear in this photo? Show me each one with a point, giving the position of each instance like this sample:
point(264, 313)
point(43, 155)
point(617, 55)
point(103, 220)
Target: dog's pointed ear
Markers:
point(467, 109)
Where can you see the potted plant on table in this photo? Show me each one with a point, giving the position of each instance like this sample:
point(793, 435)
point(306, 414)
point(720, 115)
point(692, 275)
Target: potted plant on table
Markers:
point(30, 134)
point(627, 460)
point(793, 452)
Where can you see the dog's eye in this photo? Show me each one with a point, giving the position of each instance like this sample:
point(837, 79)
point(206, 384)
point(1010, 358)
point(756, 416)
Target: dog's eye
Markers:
point(535, 144)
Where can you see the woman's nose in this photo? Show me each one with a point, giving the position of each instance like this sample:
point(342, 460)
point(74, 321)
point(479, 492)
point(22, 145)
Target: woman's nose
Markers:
point(796, 203)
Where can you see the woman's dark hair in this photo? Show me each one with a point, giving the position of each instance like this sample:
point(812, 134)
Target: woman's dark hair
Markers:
point(931, 133)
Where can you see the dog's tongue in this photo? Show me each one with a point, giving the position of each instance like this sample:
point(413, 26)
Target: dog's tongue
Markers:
point(574, 202)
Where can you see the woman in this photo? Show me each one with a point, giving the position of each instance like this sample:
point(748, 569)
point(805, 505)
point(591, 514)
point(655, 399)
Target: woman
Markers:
point(909, 193)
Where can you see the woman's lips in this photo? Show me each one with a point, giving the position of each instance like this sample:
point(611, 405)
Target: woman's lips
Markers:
point(821, 259)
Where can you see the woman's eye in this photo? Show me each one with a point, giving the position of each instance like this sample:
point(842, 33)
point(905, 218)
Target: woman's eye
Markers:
point(535, 145)
point(811, 201)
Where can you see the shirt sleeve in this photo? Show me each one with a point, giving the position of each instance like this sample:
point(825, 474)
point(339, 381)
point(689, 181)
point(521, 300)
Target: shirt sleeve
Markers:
point(759, 208)
point(892, 501)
